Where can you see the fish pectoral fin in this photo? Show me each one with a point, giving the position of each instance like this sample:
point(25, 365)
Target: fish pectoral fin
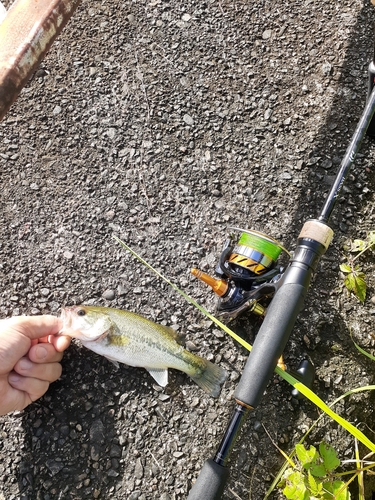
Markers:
point(160, 375)
point(113, 361)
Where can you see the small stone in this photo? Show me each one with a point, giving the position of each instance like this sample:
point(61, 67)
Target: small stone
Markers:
point(110, 215)
point(257, 425)
point(186, 17)
point(109, 295)
point(327, 164)
point(112, 473)
point(165, 496)
point(135, 495)
point(115, 451)
point(190, 346)
point(326, 68)
point(121, 291)
point(138, 471)
point(267, 34)
point(337, 380)
point(195, 402)
point(188, 119)
point(111, 133)
point(268, 114)
point(34, 186)
point(68, 255)
point(178, 454)
point(40, 73)
point(56, 110)
point(45, 292)
point(299, 165)
point(54, 306)
point(54, 466)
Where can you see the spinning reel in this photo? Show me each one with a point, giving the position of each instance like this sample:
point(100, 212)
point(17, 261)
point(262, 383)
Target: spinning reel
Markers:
point(248, 273)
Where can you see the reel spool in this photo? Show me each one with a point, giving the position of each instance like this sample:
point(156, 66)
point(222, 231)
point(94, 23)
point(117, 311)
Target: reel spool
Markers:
point(247, 271)
point(253, 255)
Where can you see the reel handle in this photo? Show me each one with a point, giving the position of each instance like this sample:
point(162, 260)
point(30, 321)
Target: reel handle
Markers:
point(210, 483)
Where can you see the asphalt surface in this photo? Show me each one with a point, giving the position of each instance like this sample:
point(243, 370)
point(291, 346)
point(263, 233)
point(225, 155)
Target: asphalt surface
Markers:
point(164, 123)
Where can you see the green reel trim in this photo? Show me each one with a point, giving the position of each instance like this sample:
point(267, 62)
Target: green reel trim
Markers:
point(261, 242)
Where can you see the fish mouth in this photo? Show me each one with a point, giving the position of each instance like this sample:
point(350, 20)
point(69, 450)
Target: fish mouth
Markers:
point(66, 320)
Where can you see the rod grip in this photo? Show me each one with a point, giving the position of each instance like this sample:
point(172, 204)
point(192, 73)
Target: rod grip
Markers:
point(270, 342)
point(210, 483)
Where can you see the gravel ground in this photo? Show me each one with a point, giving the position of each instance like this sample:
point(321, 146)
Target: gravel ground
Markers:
point(164, 123)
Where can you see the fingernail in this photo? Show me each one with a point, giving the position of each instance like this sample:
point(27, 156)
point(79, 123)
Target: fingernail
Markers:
point(25, 364)
point(40, 352)
point(13, 377)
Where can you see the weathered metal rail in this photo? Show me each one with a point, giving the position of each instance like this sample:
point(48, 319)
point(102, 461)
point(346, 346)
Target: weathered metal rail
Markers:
point(26, 34)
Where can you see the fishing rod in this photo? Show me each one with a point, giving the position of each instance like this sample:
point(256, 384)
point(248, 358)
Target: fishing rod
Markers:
point(238, 292)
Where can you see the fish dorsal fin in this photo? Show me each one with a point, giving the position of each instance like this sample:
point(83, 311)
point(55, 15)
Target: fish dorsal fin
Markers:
point(160, 375)
point(180, 339)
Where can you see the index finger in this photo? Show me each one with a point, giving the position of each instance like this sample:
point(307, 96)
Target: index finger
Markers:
point(33, 327)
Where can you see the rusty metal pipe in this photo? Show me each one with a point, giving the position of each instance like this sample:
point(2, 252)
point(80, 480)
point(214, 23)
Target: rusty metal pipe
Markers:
point(26, 34)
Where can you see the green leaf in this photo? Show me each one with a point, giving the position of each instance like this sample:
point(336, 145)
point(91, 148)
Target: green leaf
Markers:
point(316, 487)
point(318, 470)
point(358, 246)
point(371, 237)
point(337, 490)
point(306, 457)
point(355, 282)
point(329, 456)
point(295, 488)
point(345, 268)
point(310, 460)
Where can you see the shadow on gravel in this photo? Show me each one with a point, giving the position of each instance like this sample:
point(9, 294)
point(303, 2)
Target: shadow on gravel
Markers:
point(70, 434)
point(326, 337)
point(321, 334)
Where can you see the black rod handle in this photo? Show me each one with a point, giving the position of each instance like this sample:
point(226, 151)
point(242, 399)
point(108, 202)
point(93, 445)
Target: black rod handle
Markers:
point(210, 483)
point(270, 342)
point(282, 314)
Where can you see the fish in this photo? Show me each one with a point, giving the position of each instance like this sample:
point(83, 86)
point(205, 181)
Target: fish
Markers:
point(126, 337)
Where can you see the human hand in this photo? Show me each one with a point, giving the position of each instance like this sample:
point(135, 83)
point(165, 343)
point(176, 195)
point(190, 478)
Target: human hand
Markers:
point(30, 353)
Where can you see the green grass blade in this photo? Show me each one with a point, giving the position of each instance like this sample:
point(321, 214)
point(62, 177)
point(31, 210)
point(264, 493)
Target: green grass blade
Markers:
point(324, 407)
point(362, 351)
point(236, 337)
point(361, 486)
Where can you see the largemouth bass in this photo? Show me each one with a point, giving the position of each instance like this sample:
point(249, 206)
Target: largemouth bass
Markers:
point(126, 337)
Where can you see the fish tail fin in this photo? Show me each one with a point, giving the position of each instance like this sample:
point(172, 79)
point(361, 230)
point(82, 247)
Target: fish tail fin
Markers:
point(211, 378)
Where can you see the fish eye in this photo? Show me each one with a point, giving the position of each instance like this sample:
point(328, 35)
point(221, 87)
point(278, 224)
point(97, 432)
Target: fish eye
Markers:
point(81, 312)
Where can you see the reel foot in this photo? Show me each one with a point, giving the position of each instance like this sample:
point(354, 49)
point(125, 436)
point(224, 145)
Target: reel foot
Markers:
point(305, 373)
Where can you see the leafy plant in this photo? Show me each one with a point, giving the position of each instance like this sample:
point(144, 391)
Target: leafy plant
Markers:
point(314, 477)
point(354, 277)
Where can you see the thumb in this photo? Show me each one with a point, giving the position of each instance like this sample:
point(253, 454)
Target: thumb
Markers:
point(17, 333)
